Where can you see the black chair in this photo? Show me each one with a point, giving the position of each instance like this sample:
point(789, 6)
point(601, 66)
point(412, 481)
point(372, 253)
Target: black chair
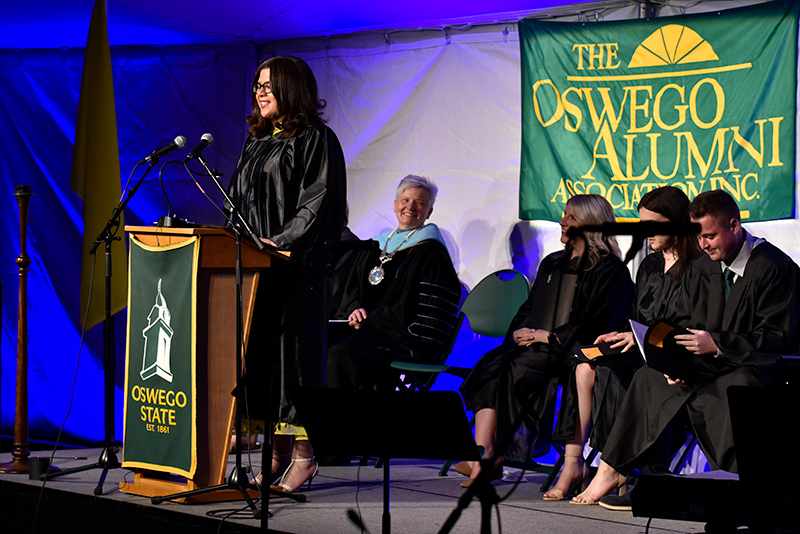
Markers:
point(421, 377)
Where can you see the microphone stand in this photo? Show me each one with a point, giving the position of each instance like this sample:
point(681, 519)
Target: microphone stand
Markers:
point(329, 251)
point(108, 457)
point(237, 480)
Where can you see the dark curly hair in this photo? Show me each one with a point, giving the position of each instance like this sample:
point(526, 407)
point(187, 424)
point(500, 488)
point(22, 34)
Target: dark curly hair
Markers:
point(294, 89)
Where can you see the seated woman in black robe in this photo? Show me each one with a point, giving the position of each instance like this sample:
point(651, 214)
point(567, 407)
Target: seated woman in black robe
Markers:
point(600, 389)
point(402, 301)
point(518, 380)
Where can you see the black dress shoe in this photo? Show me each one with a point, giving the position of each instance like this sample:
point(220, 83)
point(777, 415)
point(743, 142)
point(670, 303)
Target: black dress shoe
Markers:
point(617, 503)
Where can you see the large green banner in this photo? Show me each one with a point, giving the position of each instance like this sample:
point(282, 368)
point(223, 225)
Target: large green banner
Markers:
point(160, 385)
point(698, 102)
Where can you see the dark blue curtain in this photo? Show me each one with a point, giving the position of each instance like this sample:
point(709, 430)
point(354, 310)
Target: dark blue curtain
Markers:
point(160, 92)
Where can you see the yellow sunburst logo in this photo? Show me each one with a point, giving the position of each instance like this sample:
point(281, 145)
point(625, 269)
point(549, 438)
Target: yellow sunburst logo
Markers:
point(672, 45)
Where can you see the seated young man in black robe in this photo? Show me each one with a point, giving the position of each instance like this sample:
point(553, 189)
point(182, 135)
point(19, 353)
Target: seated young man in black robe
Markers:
point(742, 309)
point(401, 301)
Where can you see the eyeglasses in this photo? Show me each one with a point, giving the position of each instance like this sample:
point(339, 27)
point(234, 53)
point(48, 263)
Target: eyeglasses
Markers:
point(265, 87)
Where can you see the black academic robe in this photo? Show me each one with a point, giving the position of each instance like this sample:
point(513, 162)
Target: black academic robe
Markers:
point(412, 314)
point(758, 322)
point(293, 192)
point(522, 382)
point(345, 263)
point(657, 295)
point(760, 317)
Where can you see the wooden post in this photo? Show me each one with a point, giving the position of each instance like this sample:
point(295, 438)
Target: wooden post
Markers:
point(20, 452)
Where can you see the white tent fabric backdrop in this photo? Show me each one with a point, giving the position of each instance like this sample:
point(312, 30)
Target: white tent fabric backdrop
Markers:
point(449, 111)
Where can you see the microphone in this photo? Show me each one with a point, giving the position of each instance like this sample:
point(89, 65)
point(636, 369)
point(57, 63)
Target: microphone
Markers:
point(638, 229)
point(205, 140)
point(179, 142)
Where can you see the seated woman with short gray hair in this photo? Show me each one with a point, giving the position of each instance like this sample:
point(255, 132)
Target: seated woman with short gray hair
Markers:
point(402, 300)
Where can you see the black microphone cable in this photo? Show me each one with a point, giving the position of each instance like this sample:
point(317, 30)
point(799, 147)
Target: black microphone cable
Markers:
point(71, 397)
point(200, 187)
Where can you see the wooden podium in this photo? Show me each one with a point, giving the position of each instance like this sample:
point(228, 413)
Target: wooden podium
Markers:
point(215, 353)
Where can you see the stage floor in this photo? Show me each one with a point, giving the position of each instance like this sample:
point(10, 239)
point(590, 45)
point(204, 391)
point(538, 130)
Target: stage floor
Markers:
point(421, 502)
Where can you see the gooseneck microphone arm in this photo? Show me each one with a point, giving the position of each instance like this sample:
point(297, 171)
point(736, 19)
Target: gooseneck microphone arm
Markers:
point(235, 219)
point(113, 223)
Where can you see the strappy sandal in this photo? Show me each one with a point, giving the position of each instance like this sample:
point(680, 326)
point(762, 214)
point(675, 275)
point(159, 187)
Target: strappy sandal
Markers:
point(285, 488)
point(577, 485)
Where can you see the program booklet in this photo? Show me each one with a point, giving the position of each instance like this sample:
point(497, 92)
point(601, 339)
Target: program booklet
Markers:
point(659, 349)
point(595, 354)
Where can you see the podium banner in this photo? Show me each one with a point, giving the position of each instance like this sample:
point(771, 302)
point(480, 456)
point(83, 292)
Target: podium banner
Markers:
point(698, 102)
point(160, 377)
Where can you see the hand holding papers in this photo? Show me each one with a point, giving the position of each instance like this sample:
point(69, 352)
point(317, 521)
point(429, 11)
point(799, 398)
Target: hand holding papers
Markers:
point(660, 351)
point(606, 345)
point(589, 353)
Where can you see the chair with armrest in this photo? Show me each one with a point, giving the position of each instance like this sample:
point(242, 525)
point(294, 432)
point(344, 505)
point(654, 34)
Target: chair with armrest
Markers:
point(489, 307)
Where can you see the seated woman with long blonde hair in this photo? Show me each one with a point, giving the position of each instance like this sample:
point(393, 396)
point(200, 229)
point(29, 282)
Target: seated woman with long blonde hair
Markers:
point(518, 381)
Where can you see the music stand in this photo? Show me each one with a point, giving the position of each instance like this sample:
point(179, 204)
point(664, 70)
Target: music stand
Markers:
point(390, 418)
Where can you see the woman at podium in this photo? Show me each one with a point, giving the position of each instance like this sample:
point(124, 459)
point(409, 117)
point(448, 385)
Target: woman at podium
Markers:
point(579, 293)
point(290, 186)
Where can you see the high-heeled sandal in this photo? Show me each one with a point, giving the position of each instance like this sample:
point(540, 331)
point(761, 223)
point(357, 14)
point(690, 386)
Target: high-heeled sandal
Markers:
point(258, 480)
point(575, 486)
point(285, 488)
point(622, 485)
point(463, 468)
point(284, 461)
point(496, 474)
point(588, 500)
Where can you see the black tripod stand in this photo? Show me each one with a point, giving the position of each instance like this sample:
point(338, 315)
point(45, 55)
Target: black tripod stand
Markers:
point(238, 480)
point(108, 457)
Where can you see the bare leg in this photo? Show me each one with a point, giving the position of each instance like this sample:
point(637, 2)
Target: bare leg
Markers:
point(573, 470)
point(281, 454)
point(485, 429)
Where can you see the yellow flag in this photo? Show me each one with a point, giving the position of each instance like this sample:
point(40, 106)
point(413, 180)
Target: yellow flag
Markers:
point(95, 171)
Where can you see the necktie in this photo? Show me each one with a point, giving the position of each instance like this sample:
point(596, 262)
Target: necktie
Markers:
point(728, 281)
